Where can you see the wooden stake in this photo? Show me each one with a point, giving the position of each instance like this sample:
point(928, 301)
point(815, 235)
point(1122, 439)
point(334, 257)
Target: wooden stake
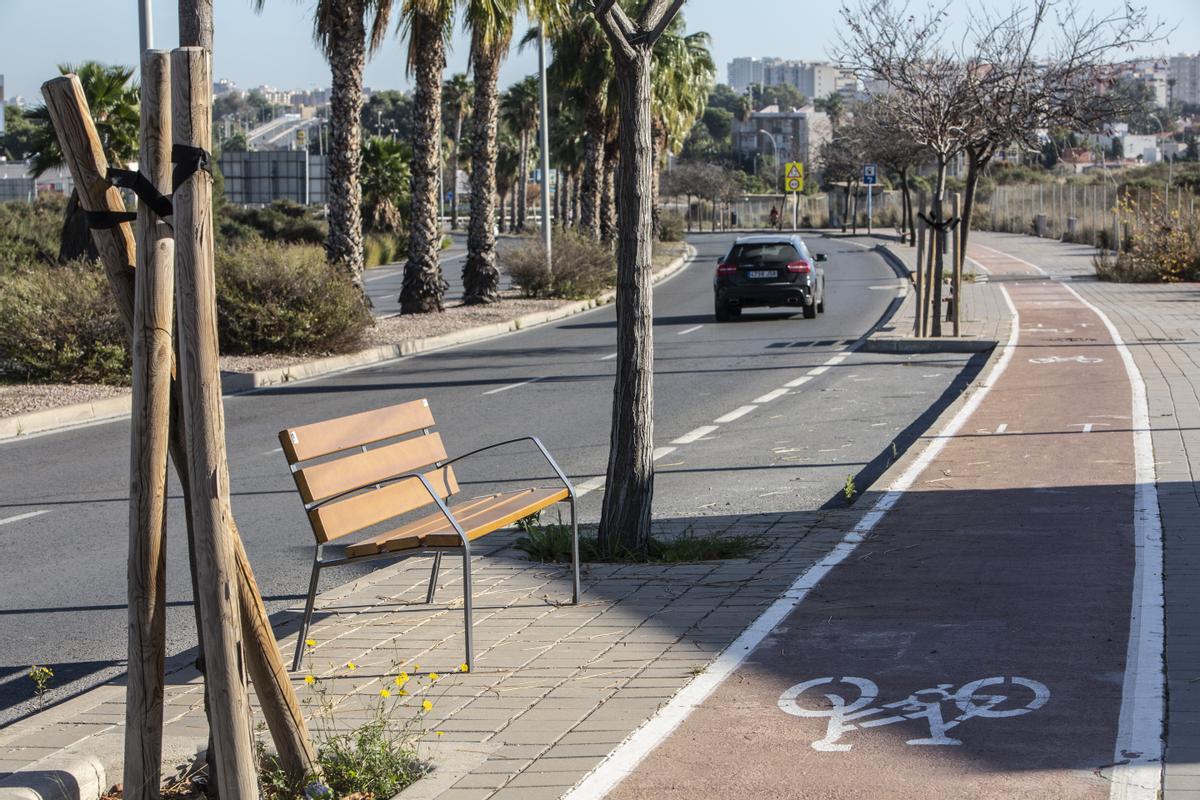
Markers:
point(84, 156)
point(957, 255)
point(204, 421)
point(153, 314)
point(919, 322)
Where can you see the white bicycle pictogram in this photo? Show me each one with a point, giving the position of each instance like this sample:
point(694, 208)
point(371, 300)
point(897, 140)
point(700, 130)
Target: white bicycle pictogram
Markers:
point(987, 697)
point(1065, 360)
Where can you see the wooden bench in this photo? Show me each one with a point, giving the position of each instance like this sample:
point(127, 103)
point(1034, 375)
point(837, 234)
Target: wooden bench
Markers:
point(367, 469)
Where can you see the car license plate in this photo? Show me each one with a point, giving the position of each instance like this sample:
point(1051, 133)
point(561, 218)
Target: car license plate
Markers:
point(762, 273)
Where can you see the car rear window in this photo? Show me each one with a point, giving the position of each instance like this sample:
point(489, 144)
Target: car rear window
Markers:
point(761, 255)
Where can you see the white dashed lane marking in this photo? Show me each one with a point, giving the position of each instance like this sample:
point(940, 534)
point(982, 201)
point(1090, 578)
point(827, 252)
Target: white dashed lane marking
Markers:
point(28, 515)
point(511, 386)
point(692, 329)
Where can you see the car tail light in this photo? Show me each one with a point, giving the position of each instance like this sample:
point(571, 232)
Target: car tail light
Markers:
point(799, 266)
point(727, 269)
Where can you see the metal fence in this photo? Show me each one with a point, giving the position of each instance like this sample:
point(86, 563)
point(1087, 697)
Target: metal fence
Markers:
point(809, 211)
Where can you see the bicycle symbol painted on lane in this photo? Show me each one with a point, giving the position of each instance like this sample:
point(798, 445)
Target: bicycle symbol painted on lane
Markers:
point(1065, 360)
point(848, 703)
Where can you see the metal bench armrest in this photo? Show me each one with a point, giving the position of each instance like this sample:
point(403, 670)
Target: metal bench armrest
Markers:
point(562, 476)
point(441, 504)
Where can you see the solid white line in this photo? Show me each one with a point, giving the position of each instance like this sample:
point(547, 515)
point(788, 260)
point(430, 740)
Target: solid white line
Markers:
point(1014, 258)
point(382, 275)
point(818, 370)
point(769, 396)
point(609, 357)
point(20, 517)
point(835, 360)
point(735, 414)
point(1138, 751)
point(511, 386)
point(1002, 427)
point(590, 485)
point(689, 330)
point(662, 452)
point(696, 435)
point(986, 271)
point(792, 384)
point(621, 762)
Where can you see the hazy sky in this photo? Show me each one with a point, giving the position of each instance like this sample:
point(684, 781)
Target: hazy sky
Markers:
point(275, 48)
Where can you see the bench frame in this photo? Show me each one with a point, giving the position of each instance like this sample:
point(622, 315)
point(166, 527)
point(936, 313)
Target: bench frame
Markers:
point(319, 562)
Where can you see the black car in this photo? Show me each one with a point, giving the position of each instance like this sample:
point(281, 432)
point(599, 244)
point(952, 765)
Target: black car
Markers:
point(769, 271)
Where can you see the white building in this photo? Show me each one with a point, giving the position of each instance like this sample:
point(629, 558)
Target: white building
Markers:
point(744, 72)
point(811, 78)
point(1183, 72)
point(798, 133)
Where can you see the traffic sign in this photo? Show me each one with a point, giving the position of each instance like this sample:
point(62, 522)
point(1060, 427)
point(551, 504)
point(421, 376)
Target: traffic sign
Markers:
point(870, 174)
point(793, 177)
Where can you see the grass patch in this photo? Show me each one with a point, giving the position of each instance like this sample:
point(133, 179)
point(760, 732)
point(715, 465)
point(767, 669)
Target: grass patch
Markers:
point(550, 542)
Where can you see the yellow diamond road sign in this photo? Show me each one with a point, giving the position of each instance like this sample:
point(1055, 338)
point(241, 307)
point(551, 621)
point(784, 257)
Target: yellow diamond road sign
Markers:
point(793, 176)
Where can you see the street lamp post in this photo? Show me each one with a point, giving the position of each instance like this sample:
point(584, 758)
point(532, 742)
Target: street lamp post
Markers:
point(145, 25)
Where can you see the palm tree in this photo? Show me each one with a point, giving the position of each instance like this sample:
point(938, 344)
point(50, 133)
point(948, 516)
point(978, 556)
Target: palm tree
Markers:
point(508, 167)
point(341, 28)
point(428, 25)
point(519, 107)
point(114, 102)
point(385, 183)
point(456, 96)
point(584, 69)
point(682, 78)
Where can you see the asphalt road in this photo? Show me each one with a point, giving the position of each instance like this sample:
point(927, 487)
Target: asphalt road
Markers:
point(743, 441)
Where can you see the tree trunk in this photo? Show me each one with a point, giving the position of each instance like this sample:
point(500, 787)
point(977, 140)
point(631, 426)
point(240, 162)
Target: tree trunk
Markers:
point(576, 191)
point(347, 56)
point(592, 186)
point(502, 207)
point(481, 276)
point(629, 488)
point(458, 126)
point(522, 196)
point(939, 250)
point(608, 198)
point(907, 209)
point(423, 286)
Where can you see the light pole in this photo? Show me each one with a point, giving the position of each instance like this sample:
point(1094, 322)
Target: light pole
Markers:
point(545, 144)
point(774, 161)
point(145, 25)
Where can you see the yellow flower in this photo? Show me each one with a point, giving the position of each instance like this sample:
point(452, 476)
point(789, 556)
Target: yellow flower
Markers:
point(439, 733)
point(310, 680)
point(350, 665)
point(311, 642)
point(462, 667)
point(403, 693)
point(433, 676)
point(416, 667)
point(401, 679)
point(385, 693)
point(426, 705)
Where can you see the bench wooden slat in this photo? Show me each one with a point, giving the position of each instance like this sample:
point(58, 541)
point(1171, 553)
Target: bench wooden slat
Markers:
point(477, 517)
point(377, 505)
point(322, 438)
point(361, 469)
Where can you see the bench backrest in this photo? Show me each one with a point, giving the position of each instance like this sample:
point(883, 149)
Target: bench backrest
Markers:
point(361, 467)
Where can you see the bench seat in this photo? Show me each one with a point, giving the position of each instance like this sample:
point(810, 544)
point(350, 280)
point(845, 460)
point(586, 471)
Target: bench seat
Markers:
point(478, 517)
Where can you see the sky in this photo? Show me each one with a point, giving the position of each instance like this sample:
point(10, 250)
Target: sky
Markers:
point(275, 47)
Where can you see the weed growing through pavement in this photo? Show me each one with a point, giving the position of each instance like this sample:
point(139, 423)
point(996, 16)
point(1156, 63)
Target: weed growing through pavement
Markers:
point(41, 680)
point(849, 491)
point(551, 542)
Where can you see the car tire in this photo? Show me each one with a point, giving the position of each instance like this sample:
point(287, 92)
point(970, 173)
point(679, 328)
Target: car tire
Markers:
point(810, 311)
point(722, 311)
point(821, 305)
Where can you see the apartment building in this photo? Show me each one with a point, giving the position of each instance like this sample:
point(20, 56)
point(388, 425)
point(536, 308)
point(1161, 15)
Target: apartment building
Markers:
point(798, 133)
point(1183, 74)
point(811, 78)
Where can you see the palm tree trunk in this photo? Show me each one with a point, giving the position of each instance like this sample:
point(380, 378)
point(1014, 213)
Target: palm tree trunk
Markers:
point(458, 126)
point(576, 182)
point(629, 492)
point(347, 56)
point(481, 277)
point(503, 221)
point(423, 286)
point(608, 198)
point(592, 188)
point(523, 183)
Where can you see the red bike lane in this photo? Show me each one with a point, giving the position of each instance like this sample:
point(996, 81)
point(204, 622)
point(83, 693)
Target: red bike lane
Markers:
point(974, 643)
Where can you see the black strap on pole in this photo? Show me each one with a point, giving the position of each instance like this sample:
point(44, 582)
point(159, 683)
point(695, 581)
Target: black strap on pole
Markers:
point(188, 161)
point(141, 186)
point(105, 220)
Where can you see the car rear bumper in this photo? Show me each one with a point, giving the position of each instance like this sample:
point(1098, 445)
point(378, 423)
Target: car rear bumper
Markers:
point(766, 295)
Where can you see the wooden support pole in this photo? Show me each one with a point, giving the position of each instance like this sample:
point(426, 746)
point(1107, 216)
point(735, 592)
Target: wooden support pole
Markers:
point(204, 421)
point(84, 156)
point(153, 314)
point(957, 255)
point(919, 321)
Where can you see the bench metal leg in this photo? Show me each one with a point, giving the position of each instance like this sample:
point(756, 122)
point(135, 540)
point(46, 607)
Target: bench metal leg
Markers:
point(433, 576)
point(466, 548)
point(574, 555)
point(308, 609)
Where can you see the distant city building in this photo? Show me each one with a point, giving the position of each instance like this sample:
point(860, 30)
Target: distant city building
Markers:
point(1151, 73)
point(224, 86)
point(811, 78)
point(1183, 71)
point(798, 134)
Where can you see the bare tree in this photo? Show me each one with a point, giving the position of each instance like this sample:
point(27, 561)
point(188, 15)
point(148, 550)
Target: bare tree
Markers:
point(885, 142)
point(625, 518)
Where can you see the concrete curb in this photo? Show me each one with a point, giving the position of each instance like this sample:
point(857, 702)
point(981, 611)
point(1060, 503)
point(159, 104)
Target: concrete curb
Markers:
point(52, 419)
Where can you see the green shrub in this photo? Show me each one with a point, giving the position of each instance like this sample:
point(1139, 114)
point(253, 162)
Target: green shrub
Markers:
point(61, 325)
point(582, 267)
point(282, 221)
point(670, 227)
point(1160, 246)
point(383, 248)
point(276, 298)
point(29, 232)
